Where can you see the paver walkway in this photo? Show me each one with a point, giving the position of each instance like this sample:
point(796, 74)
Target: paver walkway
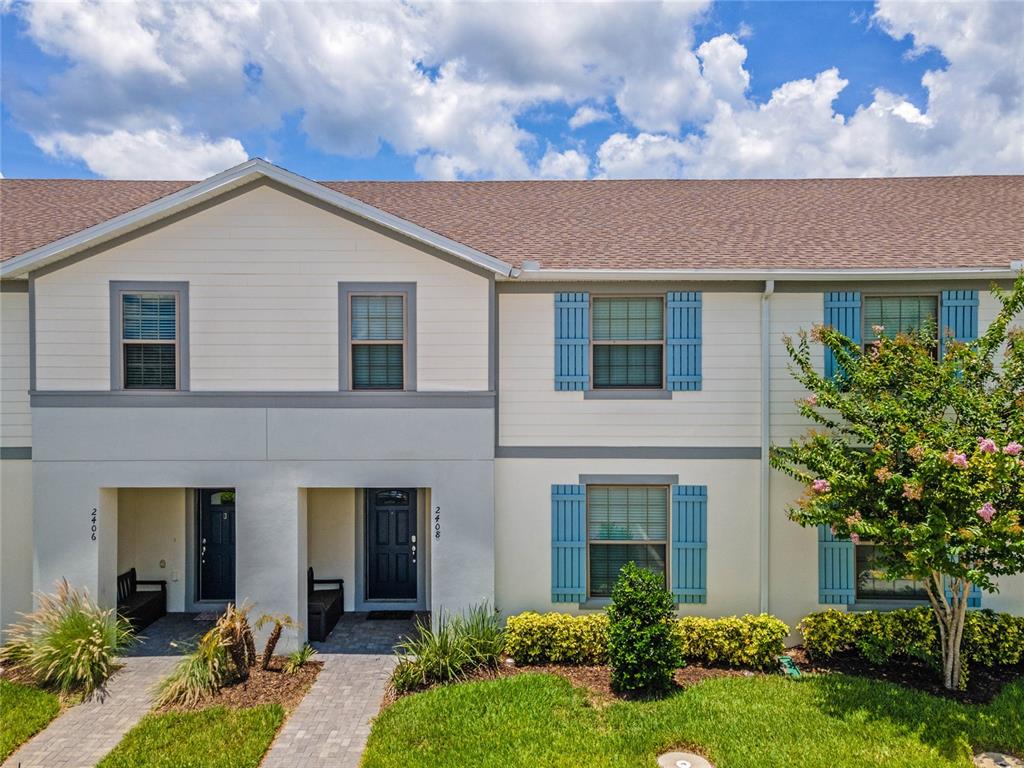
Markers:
point(331, 725)
point(81, 736)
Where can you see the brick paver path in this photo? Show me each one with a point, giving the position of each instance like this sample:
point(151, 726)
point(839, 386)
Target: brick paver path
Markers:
point(331, 725)
point(82, 735)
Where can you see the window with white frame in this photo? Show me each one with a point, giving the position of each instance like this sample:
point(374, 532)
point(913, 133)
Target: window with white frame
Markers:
point(150, 344)
point(624, 524)
point(378, 341)
point(628, 335)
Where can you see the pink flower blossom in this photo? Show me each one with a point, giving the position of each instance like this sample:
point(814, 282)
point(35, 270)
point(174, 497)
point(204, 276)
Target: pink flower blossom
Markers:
point(855, 538)
point(812, 400)
point(821, 486)
point(986, 511)
point(878, 329)
point(987, 445)
point(1013, 449)
point(958, 460)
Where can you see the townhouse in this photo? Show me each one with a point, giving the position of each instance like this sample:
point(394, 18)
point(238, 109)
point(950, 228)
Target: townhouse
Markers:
point(446, 393)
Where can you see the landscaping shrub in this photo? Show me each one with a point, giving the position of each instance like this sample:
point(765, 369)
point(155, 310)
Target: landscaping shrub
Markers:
point(298, 659)
point(734, 641)
point(204, 671)
point(557, 638)
point(280, 622)
point(642, 650)
point(990, 638)
point(458, 645)
point(68, 642)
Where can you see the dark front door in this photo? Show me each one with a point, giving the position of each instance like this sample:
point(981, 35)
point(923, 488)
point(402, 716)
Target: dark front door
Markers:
point(391, 544)
point(216, 545)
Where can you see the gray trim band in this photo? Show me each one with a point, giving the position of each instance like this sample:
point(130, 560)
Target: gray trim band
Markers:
point(623, 452)
point(118, 287)
point(890, 287)
point(10, 453)
point(168, 399)
point(14, 286)
point(627, 394)
point(345, 290)
point(629, 480)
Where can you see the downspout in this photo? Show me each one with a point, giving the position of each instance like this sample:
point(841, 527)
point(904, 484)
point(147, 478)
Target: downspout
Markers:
point(766, 437)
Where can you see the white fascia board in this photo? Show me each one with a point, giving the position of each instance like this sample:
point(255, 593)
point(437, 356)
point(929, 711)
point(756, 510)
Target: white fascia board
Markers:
point(225, 182)
point(563, 275)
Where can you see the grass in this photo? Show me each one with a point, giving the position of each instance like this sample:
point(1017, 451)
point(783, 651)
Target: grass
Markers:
point(829, 721)
point(208, 738)
point(24, 711)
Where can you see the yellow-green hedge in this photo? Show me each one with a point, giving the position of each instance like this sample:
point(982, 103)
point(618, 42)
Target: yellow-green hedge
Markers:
point(558, 638)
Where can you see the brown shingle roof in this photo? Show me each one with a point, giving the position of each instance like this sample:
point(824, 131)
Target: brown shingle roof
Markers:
point(943, 222)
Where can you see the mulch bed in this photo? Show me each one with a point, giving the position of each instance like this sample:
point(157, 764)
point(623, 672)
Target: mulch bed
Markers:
point(983, 684)
point(272, 686)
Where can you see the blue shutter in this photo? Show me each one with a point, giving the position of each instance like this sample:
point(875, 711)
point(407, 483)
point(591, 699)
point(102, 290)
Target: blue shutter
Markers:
point(683, 338)
point(842, 312)
point(572, 341)
point(568, 543)
point(836, 566)
point(689, 543)
point(973, 596)
point(959, 314)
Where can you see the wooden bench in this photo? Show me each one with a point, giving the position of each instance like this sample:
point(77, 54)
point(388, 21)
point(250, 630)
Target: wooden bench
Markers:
point(325, 605)
point(141, 608)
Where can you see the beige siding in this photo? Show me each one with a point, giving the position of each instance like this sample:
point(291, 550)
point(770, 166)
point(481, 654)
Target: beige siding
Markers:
point(725, 413)
point(263, 270)
point(15, 417)
point(791, 313)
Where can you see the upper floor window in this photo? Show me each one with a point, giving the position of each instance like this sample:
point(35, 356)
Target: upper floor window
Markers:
point(625, 523)
point(872, 584)
point(149, 330)
point(628, 336)
point(898, 314)
point(377, 336)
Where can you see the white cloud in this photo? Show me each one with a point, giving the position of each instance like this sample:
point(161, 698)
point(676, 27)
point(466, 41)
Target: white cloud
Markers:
point(449, 85)
point(586, 115)
point(569, 164)
point(148, 154)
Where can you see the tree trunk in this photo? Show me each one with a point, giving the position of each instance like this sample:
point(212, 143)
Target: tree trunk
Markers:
point(268, 649)
point(950, 612)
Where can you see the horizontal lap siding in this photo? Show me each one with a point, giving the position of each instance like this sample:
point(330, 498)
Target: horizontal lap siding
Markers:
point(263, 271)
point(724, 413)
point(15, 416)
point(791, 312)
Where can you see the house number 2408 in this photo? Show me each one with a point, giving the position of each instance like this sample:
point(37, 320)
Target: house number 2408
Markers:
point(437, 522)
point(92, 524)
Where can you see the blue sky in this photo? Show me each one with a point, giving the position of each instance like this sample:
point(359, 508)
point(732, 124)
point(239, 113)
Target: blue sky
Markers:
point(504, 90)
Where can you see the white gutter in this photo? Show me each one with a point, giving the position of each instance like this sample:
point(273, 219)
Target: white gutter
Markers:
point(224, 182)
point(766, 441)
point(761, 275)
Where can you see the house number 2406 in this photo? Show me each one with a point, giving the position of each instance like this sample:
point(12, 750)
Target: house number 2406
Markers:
point(437, 522)
point(92, 524)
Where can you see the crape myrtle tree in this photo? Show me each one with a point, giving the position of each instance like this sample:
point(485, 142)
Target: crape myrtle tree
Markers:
point(918, 450)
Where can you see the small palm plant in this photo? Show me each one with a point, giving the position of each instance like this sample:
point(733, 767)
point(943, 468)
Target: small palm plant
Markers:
point(298, 659)
point(280, 622)
point(68, 641)
point(236, 635)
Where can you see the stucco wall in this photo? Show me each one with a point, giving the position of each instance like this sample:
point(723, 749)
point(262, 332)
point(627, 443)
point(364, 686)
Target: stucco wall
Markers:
point(332, 536)
point(15, 539)
point(263, 272)
point(151, 528)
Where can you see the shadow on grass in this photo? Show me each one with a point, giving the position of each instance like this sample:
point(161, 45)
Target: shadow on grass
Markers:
point(947, 725)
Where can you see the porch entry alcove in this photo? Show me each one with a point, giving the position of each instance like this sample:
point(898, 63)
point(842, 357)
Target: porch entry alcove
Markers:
point(373, 538)
point(184, 536)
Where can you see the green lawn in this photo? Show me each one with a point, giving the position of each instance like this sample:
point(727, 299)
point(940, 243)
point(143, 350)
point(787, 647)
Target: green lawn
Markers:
point(24, 711)
point(209, 738)
point(832, 721)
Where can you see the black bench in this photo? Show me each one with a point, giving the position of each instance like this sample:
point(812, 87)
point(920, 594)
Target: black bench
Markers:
point(325, 605)
point(141, 608)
